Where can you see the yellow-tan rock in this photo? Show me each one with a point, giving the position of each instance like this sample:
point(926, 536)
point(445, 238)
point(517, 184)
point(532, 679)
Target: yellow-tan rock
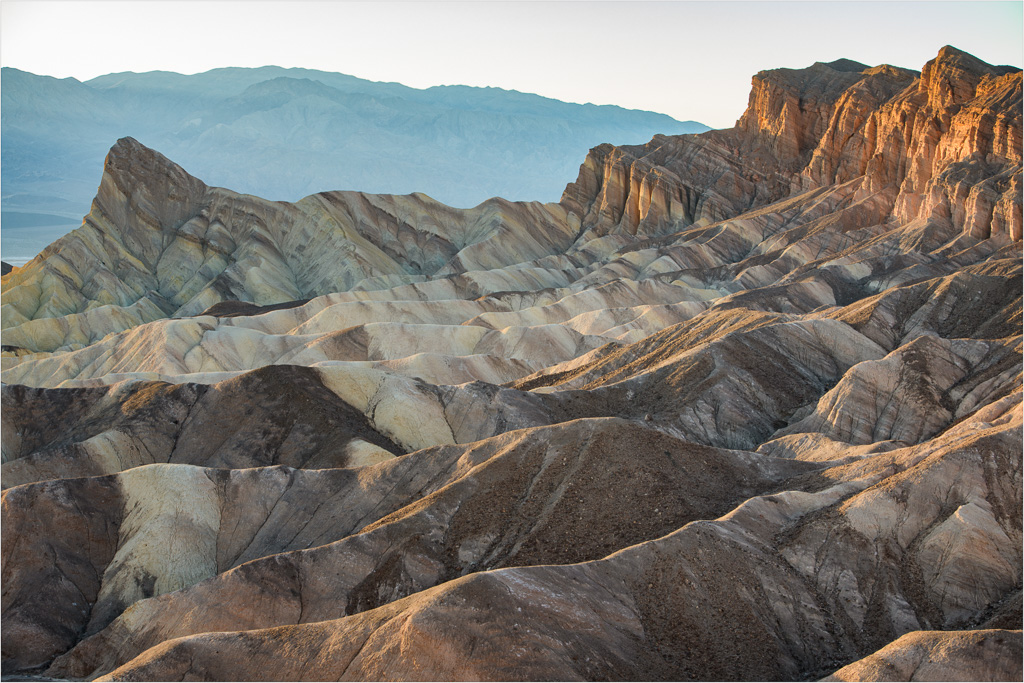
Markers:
point(744, 405)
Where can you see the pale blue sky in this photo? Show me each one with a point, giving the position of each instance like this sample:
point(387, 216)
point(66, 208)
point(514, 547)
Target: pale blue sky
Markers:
point(692, 60)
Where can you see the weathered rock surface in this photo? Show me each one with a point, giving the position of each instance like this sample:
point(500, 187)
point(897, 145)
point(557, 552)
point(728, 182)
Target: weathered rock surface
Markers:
point(987, 655)
point(939, 145)
point(744, 405)
point(278, 415)
point(179, 247)
point(645, 608)
point(542, 496)
point(158, 528)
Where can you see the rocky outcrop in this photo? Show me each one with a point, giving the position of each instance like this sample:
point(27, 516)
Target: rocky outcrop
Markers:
point(753, 391)
point(942, 145)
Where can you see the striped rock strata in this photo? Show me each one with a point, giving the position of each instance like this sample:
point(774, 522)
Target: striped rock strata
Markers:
point(743, 405)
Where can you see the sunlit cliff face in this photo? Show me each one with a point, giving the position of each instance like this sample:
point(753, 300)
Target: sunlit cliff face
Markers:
point(742, 406)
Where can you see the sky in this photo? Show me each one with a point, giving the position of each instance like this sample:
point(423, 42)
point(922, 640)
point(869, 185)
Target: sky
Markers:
point(691, 60)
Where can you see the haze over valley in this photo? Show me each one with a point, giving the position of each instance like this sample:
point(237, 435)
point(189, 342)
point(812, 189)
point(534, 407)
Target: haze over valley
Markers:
point(284, 134)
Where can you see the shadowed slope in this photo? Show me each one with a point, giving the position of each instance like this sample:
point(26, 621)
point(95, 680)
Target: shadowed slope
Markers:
point(744, 405)
point(567, 493)
point(644, 612)
point(278, 415)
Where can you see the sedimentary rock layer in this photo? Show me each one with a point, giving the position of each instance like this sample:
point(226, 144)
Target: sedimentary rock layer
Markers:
point(743, 405)
point(986, 655)
point(771, 573)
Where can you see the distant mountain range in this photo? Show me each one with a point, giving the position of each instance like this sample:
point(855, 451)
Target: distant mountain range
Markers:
point(742, 406)
point(287, 133)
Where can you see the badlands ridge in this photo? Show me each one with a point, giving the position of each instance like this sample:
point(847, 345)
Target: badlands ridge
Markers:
point(742, 405)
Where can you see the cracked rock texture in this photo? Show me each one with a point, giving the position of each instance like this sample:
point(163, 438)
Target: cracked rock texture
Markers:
point(744, 405)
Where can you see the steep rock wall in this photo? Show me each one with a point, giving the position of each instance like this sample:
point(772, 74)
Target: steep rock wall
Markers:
point(944, 144)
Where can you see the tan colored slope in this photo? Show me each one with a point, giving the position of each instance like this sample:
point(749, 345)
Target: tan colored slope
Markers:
point(80, 329)
point(983, 655)
point(973, 302)
point(802, 254)
point(309, 334)
point(158, 528)
point(157, 234)
point(981, 301)
point(206, 345)
point(541, 496)
point(947, 520)
point(720, 393)
point(914, 392)
point(752, 247)
point(262, 413)
point(728, 390)
point(645, 610)
point(627, 294)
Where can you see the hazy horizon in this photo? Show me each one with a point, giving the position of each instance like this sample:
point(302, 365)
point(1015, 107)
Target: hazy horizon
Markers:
point(689, 60)
point(286, 134)
point(692, 61)
point(300, 68)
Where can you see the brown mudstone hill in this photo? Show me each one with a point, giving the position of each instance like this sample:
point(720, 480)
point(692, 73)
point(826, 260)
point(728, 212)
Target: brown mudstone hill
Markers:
point(984, 655)
point(744, 405)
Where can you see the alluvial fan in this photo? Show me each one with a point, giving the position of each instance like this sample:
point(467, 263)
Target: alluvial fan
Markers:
point(744, 405)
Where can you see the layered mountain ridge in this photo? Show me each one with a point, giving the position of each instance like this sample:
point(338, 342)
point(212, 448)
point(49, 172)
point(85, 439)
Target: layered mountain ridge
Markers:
point(742, 405)
point(287, 133)
point(909, 140)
